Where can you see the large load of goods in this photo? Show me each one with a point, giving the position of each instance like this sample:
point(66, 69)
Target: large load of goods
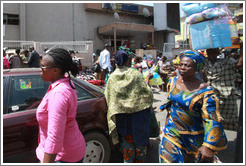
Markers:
point(212, 25)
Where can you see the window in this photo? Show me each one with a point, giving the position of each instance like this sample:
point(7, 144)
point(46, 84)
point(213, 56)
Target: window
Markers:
point(26, 92)
point(11, 19)
point(83, 94)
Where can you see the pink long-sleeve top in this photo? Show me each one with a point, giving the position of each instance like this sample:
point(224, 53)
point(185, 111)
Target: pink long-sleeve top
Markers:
point(58, 129)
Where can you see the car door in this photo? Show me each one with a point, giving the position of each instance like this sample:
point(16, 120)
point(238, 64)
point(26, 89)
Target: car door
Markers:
point(20, 128)
point(91, 111)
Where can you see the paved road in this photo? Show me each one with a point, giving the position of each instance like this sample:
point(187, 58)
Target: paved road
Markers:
point(226, 156)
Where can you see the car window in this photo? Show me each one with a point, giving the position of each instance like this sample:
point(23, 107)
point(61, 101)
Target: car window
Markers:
point(26, 92)
point(83, 94)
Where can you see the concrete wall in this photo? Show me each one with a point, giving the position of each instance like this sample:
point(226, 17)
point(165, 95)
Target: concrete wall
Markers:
point(43, 22)
point(49, 22)
point(12, 32)
point(159, 40)
point(11, 8)
point(160, 16)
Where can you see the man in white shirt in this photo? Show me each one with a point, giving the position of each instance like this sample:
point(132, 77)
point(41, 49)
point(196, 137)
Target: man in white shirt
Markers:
point(105, 60)
point(144, 66)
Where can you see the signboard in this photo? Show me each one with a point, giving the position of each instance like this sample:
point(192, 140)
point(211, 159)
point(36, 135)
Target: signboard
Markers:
point(120, 7)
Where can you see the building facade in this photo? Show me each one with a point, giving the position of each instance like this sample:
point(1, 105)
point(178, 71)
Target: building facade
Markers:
point(98, 22)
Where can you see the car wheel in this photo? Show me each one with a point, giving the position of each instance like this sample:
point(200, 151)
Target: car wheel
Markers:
point(97, 148)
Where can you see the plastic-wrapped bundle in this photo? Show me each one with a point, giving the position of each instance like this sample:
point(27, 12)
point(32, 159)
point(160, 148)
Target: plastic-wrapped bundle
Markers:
point(192, 9)
point(224, 8)
point(213, 13)
point(204, 6)
point(209, 13)
point(155, 80)
point(210, 34)
point(194, 18)
point(185, 4)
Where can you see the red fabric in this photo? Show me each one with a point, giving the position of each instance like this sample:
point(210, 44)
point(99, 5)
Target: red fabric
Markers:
point(5, 63)
point(96, 82)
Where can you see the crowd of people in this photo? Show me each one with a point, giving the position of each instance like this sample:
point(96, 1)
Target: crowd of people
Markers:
point(200, 105)
point(21, 59)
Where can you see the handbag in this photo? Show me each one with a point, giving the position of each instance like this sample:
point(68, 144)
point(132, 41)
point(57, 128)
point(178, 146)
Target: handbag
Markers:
point(154, 126)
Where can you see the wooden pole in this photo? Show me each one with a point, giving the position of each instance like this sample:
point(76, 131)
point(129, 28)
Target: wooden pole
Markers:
point(114, 40)
point(153, 37)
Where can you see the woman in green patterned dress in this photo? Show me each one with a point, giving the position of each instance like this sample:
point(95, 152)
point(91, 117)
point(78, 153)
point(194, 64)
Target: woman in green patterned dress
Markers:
point(129, 100)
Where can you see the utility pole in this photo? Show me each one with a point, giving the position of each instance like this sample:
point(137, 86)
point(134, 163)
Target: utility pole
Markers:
point(73, 23)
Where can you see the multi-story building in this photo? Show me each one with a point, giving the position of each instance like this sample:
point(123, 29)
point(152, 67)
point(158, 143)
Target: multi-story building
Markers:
point(98, 22)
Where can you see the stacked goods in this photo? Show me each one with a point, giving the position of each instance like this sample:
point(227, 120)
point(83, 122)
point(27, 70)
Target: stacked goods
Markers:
point(209, 25)
point(198, 12)
point(210, 34)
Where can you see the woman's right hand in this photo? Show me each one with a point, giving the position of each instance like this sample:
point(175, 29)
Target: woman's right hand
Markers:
point(204, 154)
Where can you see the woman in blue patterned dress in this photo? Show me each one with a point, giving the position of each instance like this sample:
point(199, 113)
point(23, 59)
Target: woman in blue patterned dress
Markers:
point(193, 131)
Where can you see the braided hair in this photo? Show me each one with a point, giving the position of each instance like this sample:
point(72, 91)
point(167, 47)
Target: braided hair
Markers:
point(63, 60)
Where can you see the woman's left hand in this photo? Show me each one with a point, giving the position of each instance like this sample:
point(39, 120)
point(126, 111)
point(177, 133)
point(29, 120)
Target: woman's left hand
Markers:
point(204, 154)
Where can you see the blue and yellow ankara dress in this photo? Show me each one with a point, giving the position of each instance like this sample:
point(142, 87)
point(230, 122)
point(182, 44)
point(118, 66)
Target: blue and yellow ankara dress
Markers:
point(194, 121)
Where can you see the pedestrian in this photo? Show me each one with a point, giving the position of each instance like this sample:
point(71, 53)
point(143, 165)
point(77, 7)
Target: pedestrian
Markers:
point(94, 56)
point(104, 60)
point(144, 65)
point(133, 62)
point(60, 139)
point(175, 61)
point(5, 61)
point(221, 76)
point(46, 49)
point(137, 65)
point(159, 56)
point(129, 100)
point(25, 56)
point(164, 71)
point(15, 60)
point(34, 58)
point(193, 131)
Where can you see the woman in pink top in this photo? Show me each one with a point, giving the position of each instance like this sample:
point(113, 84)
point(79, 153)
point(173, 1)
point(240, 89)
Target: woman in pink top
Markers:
point(60, 139)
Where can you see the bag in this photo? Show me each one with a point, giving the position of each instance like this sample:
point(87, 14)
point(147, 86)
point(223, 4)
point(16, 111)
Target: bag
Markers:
point(96, 68)
point(154, 127)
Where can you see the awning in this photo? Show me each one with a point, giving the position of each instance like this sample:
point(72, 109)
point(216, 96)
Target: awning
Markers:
point(125, 29)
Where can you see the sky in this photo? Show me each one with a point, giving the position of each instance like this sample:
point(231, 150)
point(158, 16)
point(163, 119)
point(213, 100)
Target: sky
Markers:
point(147, 4)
